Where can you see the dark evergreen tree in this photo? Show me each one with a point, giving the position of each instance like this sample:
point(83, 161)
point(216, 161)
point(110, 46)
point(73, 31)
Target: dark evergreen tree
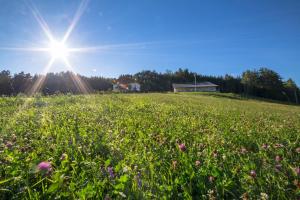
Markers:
point(261, 83)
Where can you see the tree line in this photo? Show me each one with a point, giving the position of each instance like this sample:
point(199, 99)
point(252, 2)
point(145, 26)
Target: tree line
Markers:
point(264, 83)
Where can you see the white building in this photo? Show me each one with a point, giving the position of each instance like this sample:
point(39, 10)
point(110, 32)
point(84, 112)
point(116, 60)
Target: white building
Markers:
point(199, 87)
point(130, 87)
point(135, 87)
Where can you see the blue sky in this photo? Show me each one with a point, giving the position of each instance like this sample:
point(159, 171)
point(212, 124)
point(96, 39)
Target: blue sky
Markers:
point(210, 37)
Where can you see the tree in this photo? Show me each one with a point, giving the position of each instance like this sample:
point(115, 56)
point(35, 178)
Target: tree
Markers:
point(232, 84)
point(250, 80)
point(150, 81)
point(270, 84)
point(5, 82)
point(21, 82)
point(126, 78)
point(269, 79)
point(262, 83)
point(99, 83)
point(291, 90)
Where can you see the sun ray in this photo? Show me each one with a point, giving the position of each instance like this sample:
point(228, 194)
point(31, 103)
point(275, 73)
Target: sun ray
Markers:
point(31, 91)
point(108, 47)
point(81, 86)
point(41, 78)
point(79, 83)
point(32, 49)
point(121, 46)
point(40, 21)
point(83, 5)
point(59, 50)
point(10, 124)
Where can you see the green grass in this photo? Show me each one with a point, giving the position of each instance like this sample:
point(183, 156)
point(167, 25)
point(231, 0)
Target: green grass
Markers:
point(136, 136)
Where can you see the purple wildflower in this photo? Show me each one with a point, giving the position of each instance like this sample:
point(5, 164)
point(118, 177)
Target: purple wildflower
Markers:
point(9, 144)
point(111, 172)
point(298, 150)
point(182, 147)
point(44, 167)
point(139, 180)
point(197, 163)
point(253, 173)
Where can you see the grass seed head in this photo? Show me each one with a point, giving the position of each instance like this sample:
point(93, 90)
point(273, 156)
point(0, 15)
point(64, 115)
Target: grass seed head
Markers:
point(211, 179)
point(265, 146)
point(278, 167)
point(174, 164)
point(278, 145)
point(264, 196)
point(14, 138)
point(278, 158)
point(297, 171)
point(243, 150)
point(64, 156)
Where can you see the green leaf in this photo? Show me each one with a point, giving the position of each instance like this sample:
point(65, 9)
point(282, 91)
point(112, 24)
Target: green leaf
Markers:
point(107, 162)
point(53, 188)
point(123, 179)
point(4, 181)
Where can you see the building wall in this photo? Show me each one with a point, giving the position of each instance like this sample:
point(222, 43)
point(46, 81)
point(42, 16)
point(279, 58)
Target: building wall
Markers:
point(135, 87)
point(115, 87)
point(198, 89)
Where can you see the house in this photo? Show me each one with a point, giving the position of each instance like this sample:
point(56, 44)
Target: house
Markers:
point(130, 87)
point(135, 87)
point(199, 87)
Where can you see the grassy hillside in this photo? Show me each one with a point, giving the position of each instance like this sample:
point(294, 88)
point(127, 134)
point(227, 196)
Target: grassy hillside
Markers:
point(148, 146)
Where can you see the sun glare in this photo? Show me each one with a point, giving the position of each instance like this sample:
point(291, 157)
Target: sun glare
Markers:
point(58, 49)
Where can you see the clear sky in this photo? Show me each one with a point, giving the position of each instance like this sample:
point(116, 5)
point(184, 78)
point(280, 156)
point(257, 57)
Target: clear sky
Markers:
point(209, 37)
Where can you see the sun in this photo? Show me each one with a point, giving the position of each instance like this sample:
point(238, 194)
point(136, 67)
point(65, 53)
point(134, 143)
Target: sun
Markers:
point(58, 50)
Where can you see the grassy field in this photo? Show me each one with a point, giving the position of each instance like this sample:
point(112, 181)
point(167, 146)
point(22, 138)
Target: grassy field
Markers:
point(148, 146)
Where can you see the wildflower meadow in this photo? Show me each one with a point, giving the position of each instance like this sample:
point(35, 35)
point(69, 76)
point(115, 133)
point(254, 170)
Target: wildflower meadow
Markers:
point(148, 146)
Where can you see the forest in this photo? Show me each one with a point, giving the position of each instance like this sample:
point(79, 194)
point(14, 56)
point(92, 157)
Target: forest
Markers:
point(264, 83)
